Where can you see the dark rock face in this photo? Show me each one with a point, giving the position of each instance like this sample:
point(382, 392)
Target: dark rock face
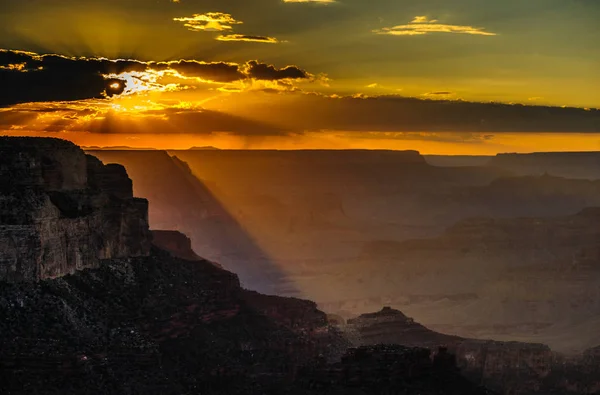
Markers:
point(162, 325)
point(141, 322)
point(176, 243)
point(63, 211)
point(390, 369)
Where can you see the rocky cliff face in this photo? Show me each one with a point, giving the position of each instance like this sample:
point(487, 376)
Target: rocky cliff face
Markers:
point(62, 211)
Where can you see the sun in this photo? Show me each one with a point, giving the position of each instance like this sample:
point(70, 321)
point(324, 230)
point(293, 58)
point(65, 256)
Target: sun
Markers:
point(115, 85)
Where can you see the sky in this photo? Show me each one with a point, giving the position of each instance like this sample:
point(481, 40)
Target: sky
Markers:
point(440, 76)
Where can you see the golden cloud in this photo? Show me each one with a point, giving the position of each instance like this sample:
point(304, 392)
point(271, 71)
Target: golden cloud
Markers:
point(210, 21)
point(248, 38)
point(14, 66)
point(423, 19)
point(439, 95)
point(422, 25)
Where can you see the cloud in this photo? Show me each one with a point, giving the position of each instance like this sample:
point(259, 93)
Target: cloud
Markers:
point(29, 77)
point(394, 113)
point(219, 21)
point(103, 118)
point(380, 87)
point(439, 95)
point(423, 19)
point(294, 113)
point(248, 38)
point(214, 71)
point(422, 25)
point(446, 137)
point(210, 21)
point(261, 71)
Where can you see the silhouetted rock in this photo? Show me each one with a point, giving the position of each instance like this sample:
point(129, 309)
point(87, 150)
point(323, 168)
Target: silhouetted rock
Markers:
point(387, 369)
point(176, 243)
point(390, 326)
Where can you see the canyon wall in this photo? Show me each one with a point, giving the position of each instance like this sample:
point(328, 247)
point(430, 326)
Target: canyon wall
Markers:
point(62, 211)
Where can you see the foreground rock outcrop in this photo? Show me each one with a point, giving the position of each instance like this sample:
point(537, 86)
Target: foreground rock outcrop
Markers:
point(62, 211)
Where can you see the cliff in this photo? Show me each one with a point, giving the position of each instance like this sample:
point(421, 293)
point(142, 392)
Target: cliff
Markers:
point(62, 211)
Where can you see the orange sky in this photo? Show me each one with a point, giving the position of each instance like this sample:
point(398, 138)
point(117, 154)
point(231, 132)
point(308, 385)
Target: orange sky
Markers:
point(312, 74)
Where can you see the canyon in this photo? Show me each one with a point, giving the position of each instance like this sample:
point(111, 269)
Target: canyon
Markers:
point(99, 297)
point(502, 255)
point(135, 318)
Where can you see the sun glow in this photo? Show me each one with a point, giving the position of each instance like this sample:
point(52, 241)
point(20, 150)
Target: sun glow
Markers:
point(136, 82)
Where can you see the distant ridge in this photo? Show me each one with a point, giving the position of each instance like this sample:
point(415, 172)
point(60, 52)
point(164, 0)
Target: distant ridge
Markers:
point(116, 148)
point(204, 148)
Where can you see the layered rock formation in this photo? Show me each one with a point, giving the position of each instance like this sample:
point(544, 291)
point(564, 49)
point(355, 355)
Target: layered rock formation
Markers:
point(508, 367)
point(534, 279)
point(561, 243)
point(62, 211)
point(390, 326)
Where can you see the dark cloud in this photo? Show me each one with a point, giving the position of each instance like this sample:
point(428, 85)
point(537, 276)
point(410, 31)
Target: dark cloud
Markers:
point(403, 114)
point(28, 77)
point(218, 71)
point(261, 71)
point(15, 118)
point(248, 38)
point(384, 117)
point(99, 117)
